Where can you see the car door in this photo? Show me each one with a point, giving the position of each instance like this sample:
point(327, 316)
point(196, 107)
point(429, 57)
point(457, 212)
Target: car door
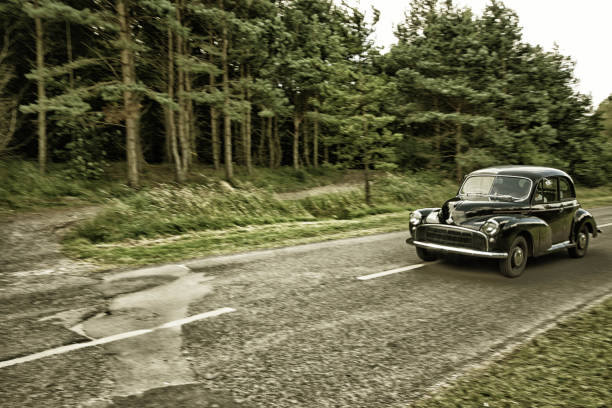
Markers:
point(546, 205)
point(569, 205)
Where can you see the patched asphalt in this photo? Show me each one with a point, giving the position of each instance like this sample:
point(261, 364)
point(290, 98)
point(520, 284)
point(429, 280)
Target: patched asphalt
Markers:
point(306, 332)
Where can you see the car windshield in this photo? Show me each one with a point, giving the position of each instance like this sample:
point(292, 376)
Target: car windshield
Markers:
point(502, 188)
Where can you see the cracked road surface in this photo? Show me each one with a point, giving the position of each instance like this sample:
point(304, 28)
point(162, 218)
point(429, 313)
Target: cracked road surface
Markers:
point(305, 332)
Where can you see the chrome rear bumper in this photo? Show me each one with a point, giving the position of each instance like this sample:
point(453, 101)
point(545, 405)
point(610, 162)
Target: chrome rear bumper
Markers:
point(456, 250)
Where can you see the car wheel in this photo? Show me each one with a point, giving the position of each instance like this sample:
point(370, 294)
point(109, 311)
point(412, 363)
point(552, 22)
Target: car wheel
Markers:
point(426, 255)
point(514, 265)
point(582, 243)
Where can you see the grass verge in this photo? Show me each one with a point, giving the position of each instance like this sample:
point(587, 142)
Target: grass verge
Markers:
point(166, 223)
point(23, 188)
point(568, 366)
point(232, 240)
point(594, 197)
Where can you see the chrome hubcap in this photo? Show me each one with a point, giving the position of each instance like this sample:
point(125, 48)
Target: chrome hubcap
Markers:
point(582, 240)
point(517, 256)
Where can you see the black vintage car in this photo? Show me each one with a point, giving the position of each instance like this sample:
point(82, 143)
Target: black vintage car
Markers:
point(507, 213)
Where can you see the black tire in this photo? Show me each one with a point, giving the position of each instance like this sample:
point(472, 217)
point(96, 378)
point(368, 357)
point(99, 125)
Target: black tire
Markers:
point(514, 265)
point(582, 243)
point(426, 255)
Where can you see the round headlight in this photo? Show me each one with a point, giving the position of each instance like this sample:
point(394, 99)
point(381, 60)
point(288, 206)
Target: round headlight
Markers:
point(415, 218)
point(490, 227)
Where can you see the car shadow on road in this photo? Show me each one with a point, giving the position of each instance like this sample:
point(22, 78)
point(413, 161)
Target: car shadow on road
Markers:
point(469, 266)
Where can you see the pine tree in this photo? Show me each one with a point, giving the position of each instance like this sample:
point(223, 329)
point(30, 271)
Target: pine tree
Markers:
point(71, 101)
point(8, 103)
point(357, 96)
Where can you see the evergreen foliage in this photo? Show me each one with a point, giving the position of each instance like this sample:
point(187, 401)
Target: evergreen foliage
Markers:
point(286, 82)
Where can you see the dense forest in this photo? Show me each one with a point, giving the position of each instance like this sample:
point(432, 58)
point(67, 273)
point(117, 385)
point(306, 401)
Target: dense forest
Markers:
point(286, 83)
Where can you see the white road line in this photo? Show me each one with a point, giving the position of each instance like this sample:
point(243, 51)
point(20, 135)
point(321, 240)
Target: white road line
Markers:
point(411, 267)
point(392, 271)
point(197, 317)
point(116, 337)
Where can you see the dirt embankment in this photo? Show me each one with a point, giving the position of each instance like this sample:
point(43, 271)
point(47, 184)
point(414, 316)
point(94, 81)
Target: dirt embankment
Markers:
point(30, 251)
point(29, 243)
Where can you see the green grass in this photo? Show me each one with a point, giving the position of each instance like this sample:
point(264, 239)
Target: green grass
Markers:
point(168, 223)
point(162, 210)
point(594, 197)
point(170, 210)
point(232, 240)
point(23, 188)
point(568, 366)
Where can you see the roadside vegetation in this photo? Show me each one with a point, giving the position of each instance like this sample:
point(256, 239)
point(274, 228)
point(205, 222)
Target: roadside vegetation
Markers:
point(22, 187)
point(568, 365)
point(169, 222)
point(165, 221)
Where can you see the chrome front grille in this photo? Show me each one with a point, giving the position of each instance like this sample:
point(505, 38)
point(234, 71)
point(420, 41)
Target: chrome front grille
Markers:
point(452, 236)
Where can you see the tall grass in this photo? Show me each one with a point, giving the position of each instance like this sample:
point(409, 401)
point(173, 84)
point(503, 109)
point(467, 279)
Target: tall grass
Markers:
point(23, 187)
point(169, 210)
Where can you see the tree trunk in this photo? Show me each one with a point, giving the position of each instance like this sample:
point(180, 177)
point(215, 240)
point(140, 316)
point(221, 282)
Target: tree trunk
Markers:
point(315, 140)
point(42, 97)
point(297, 120)
point(216, 142)
point(237, 142)
point(366, 165)
point(247, 130)
point(458, 135)
point(227, 124)
point(214, 115)
point(271, 145)
point(438, 139)
point(171, 136)
point(69, 54)
point(167, 146)
point(182, 112)
point(130, 104)
point(262, 142)
point(278, 153)
point(366, 179)
point(306, 141)
point(191, 122)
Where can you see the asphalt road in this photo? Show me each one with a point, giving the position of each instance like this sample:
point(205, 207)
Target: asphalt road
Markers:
point(307, 332)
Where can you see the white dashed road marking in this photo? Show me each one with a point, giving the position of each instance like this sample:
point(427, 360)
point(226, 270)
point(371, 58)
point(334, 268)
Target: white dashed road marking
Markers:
point(116, 337)
point(411, 267)
point(180, 322)
point(392, 271)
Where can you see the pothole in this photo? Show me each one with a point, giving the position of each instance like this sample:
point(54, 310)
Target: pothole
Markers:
point(146, 299)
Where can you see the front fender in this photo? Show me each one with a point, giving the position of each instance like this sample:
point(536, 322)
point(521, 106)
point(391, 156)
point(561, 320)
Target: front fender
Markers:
point(581, 217)
point(536, 230)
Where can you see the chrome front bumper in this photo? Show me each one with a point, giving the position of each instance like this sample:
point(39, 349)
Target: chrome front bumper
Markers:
point(457, 250)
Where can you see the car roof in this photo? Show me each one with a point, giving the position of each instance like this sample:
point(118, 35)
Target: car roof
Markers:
point(532, 172)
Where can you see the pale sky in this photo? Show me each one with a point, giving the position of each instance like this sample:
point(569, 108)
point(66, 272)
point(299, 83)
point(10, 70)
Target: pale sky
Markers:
point(581, 28)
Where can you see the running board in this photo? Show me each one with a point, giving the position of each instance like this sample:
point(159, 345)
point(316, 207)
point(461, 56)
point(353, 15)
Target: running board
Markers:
point(560, 246)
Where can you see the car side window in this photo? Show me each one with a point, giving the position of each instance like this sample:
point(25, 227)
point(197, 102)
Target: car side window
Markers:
point(565, 189)
point(546, 192)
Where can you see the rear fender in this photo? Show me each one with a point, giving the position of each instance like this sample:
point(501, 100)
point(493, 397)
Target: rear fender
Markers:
point(581, 217)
